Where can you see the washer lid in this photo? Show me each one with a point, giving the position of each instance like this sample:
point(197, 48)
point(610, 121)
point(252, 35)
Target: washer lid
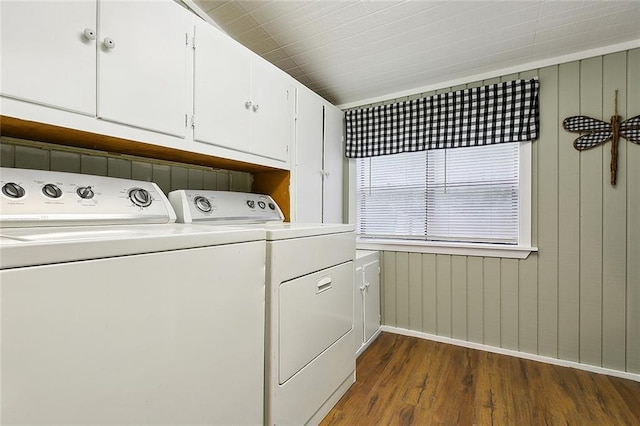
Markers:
point(283, 231)
point(21, 247)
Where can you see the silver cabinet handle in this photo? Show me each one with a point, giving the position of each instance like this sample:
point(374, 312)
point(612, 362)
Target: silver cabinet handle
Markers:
point(89, 34)
point(256, 107)
point(247, 104)
point(109, 43)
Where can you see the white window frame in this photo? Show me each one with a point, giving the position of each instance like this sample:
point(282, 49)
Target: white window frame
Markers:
point(519, 251)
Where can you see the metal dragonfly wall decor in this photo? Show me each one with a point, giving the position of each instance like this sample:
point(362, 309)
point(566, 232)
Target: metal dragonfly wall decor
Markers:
point(598, 132)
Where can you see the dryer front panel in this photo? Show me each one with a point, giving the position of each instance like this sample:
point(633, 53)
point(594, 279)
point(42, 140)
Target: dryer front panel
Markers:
point(315, 311)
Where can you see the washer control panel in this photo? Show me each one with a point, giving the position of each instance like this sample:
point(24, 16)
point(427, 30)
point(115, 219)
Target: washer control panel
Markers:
point(224, 207)
point(45, 198)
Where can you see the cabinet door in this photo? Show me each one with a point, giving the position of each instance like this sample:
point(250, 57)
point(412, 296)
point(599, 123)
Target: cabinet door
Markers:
point(222, 82)
point(371, 272)
point(45, 56)
point(308, 165)
point(272, 110)
point(142, 77)
point(358, 308)
point(333, 162)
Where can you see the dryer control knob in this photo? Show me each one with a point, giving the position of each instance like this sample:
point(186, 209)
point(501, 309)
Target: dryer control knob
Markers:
point(251, 203)
point(262, 204)
point(140, 197)
point(13, 190)
point(51, 191)
point(202, 204)
point(85, 192)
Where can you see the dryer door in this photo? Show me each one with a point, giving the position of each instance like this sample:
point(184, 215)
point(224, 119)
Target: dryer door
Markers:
point(315, 311)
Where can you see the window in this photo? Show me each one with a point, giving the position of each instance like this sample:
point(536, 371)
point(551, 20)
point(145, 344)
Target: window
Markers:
point(475, 195)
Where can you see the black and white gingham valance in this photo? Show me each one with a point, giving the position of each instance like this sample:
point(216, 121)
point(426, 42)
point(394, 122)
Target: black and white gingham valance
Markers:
point(501, 112)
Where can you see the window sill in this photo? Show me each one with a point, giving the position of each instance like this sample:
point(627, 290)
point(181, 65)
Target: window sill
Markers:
point(459, 249)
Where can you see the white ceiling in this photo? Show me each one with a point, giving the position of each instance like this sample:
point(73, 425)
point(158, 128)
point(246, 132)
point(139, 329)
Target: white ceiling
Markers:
point(348, 50)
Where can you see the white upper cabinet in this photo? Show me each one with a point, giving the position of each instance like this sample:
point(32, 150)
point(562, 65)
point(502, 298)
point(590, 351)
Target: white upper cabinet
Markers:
point(308, 164)
point(240, 101)
point(222, 90)
point(48, 53)
point(333, 184)
point(272, 110)
point(122, 61)
point(142, 64)
point(319, 160)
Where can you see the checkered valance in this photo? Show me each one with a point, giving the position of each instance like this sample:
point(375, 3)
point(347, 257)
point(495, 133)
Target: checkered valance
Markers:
point(502, 112)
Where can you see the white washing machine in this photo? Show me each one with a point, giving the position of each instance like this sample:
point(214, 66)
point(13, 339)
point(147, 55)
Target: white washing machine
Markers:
point(111, 314)
point(310, 361)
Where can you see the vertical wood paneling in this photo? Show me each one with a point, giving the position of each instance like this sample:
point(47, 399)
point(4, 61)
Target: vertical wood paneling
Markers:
point(534, 172)
point(195, 179)
point(27, 157)
point(443, 295)
point(475, 299)
point(64, 161)
point(7, 155)
point(509, 303)
point(210, 180)
point(402, 289)
point(528, 304)
point(179, 178)
point(459, 297)
point(119, 168)
point(548, 215)
point(614, 242)
point(578, 298)
point(592, 181)
point(389, 285)
point(491, 298)
point(142, 171)
point(44, 156)
point(569, 218)
point(415, 291)
point(633, 219)
point(224, 181)
point(94, 165)
point(162, 177)
point(429, 293)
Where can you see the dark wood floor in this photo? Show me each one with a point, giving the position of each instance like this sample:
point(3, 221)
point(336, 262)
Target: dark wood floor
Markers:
point(408, 381)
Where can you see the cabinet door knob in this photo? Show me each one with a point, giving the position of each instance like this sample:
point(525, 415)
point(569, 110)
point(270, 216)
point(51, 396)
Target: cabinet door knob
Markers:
point(256, 107)
point(89, 34)
point(109, 43)
point(247, 104)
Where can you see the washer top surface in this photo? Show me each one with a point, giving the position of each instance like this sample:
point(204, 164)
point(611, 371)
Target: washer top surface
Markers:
point(283, 231)
point(47, 245)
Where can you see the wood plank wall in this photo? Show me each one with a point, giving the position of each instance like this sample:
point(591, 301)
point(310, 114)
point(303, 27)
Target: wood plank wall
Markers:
point(167, 175)
point(578, 298)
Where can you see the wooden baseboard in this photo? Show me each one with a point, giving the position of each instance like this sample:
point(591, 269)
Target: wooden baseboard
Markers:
point(510, 352)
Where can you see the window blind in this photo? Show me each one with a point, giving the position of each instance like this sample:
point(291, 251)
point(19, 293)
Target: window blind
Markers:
point(462, 195)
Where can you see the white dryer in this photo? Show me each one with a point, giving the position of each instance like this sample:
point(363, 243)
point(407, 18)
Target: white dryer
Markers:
point(111, 314)
point(310, 361)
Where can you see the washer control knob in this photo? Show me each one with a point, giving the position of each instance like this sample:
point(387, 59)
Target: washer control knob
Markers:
point(272, 206)
point(51, 191)
point(13, 190)
point(203, 204)
point(85, 192)
point(262, 204)
point(140, 197)
point(251, 203)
